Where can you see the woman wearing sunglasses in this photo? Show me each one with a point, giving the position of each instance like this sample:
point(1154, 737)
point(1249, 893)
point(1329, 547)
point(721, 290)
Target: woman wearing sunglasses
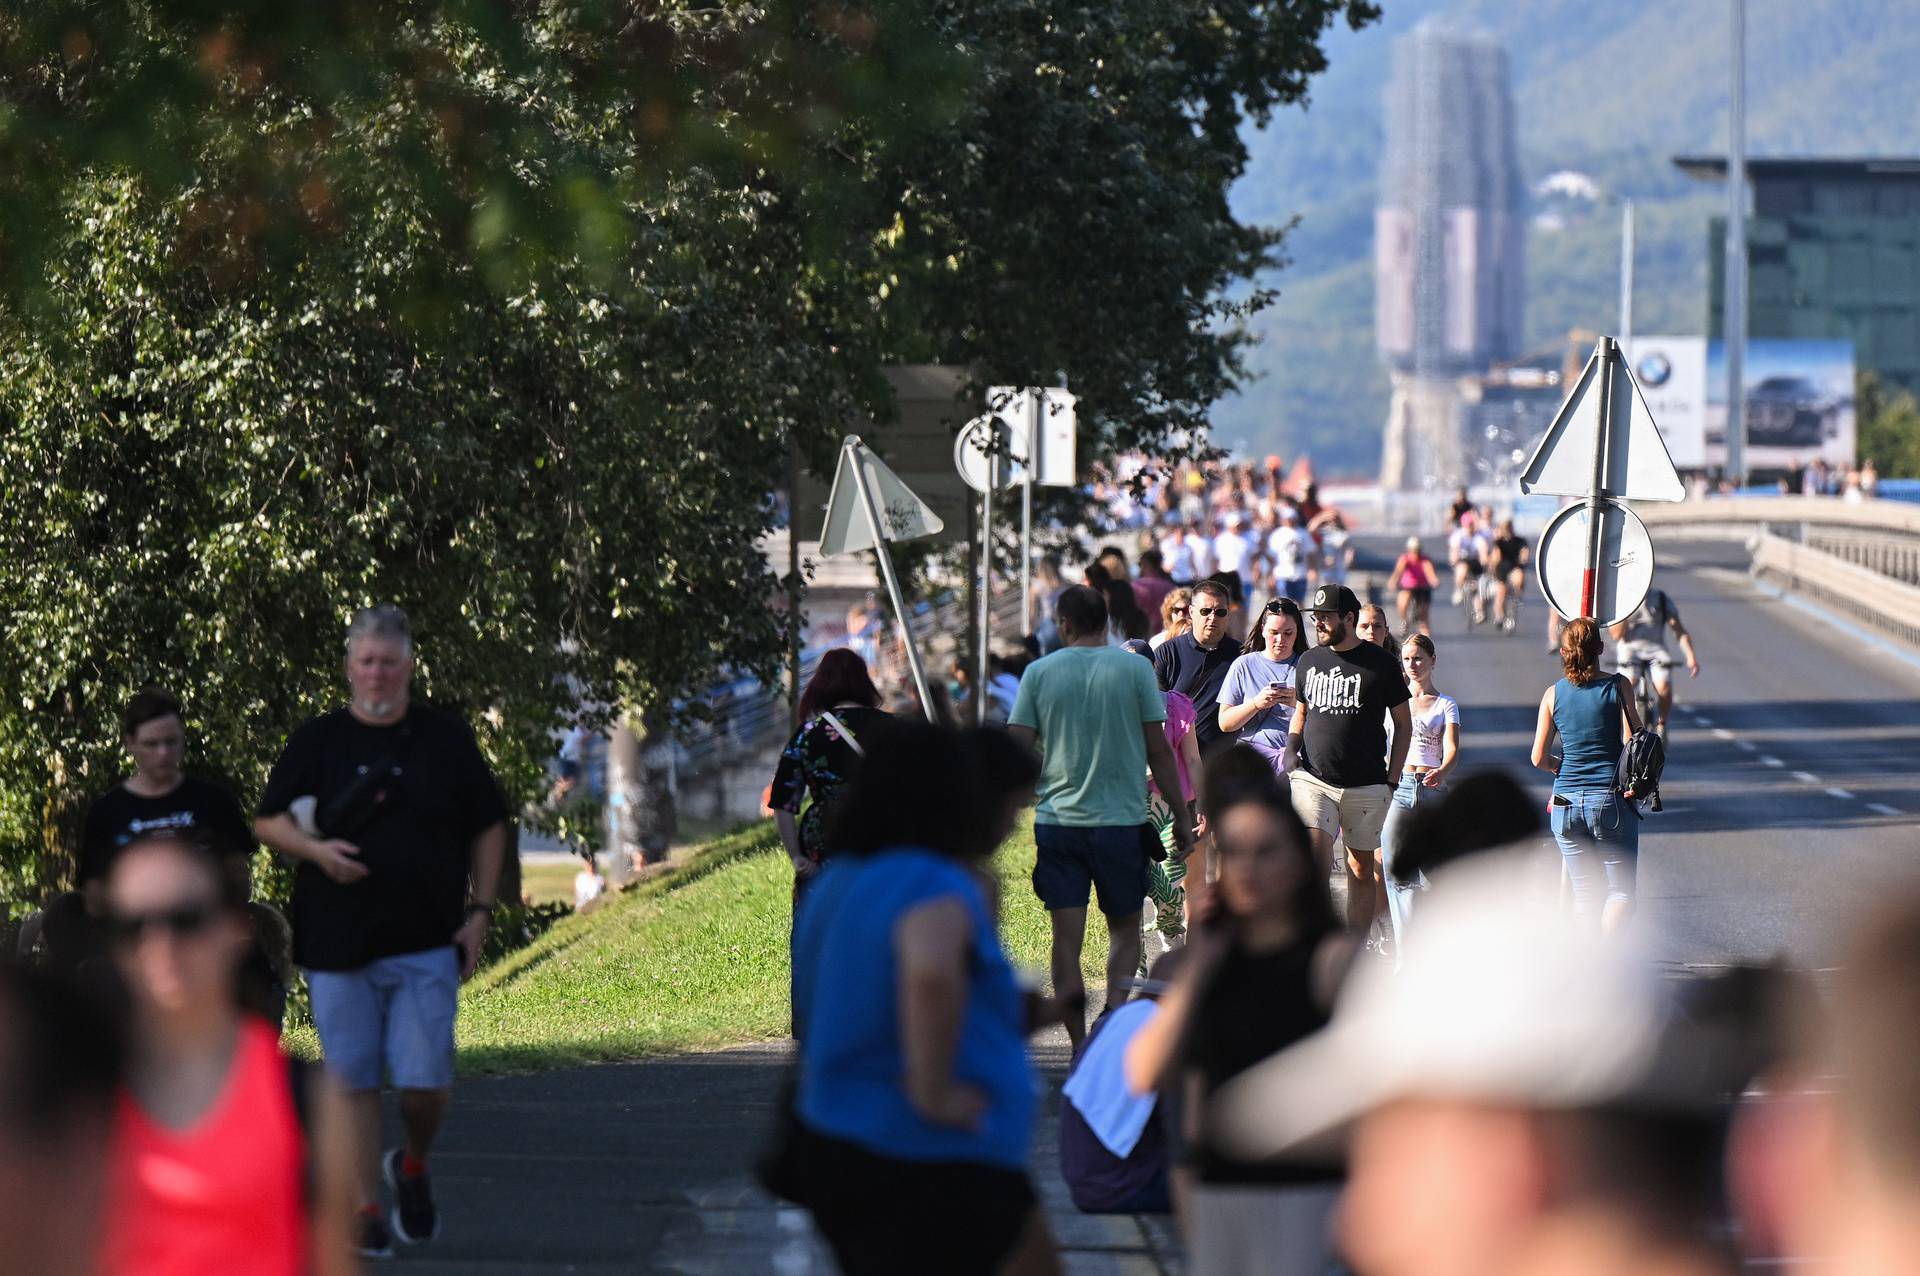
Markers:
point(225, 1157)
point(1256, 703)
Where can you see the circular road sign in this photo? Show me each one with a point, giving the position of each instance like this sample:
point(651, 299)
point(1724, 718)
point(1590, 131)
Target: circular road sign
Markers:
point(983, 453)
point(1626, 562)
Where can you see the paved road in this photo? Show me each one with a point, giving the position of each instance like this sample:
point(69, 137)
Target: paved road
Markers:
point(1789, 788)
point(1788, 796)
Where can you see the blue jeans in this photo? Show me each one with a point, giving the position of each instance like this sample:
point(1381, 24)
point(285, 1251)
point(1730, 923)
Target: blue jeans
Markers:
point(1410, 794)
point(1599, 834)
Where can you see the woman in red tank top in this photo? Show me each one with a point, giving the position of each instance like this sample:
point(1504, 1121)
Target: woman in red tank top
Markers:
point(211, 1169)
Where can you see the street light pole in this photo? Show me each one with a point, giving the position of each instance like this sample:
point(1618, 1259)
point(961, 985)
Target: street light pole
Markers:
point(1626, 273)
point(1734, 326)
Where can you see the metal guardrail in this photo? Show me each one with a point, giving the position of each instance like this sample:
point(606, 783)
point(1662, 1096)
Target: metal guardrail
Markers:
point(1861, 593)
point(1901, 518)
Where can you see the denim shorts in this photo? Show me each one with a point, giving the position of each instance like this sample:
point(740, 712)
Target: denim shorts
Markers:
point(1109, 859)
point(391, 1017)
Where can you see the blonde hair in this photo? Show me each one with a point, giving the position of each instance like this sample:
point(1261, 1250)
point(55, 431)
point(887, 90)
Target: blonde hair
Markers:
point(1176, 601)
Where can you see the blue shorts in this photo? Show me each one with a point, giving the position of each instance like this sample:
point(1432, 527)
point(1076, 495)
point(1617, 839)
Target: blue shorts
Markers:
point(1111, 859)
point(391, 1017)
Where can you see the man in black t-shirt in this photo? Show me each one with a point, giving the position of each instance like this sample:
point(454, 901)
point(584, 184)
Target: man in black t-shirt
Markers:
point(1195, 664)
point(159, 796)
point(156, 796)
point(1347, 768)
point(391, 812)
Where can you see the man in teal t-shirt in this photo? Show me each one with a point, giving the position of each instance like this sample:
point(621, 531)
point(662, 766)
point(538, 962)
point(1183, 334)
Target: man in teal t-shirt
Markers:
point(1095, 713)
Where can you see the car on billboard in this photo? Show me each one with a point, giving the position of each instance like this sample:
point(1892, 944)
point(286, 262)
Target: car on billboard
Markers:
point(1788, 411)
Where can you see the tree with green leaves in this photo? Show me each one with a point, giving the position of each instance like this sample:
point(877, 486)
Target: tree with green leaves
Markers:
point(1889, 427)
point(514, 316)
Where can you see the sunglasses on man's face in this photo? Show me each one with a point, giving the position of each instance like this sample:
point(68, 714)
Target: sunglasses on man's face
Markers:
point(183, 921)
point(1210, 611)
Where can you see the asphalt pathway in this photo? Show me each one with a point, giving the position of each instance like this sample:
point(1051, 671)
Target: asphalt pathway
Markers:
point(1789, 801)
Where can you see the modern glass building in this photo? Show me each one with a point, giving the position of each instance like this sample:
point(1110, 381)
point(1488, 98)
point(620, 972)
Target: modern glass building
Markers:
point(1833, 251)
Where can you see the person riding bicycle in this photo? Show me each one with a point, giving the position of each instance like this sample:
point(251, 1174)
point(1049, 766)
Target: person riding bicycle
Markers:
point(1642, 639)
point(1466, 550)
point(1506, 561)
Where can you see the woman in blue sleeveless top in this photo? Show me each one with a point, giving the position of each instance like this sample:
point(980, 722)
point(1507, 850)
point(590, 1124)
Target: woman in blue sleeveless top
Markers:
point(914, 1094)
point(1597, 829)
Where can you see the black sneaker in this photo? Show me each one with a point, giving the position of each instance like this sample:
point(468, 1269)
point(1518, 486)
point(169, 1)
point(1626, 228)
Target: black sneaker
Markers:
point(374, 1240)
point(415, 1220)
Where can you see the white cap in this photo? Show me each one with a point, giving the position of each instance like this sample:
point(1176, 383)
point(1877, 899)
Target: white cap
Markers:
point(1504, 998)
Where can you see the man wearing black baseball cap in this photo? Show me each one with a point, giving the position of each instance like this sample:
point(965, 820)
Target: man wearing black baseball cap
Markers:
point(1346, 770)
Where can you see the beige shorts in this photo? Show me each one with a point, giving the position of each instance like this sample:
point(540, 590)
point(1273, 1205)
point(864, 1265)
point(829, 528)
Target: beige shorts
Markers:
point(1358, 812)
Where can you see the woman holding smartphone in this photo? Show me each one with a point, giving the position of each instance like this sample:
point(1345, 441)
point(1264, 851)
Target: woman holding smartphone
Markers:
point(1256, 701)
point(1262, 966)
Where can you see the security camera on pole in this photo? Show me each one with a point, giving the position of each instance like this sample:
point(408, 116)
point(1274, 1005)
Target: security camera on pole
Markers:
point(1603, 446)
point(1026, 436)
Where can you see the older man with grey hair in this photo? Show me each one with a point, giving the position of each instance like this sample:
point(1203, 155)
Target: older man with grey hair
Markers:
point(397, 829)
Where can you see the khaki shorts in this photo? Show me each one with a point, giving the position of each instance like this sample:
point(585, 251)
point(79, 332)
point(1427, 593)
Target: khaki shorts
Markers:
point(1358, 812)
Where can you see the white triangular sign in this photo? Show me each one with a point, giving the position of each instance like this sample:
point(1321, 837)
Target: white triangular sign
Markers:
point(903, 515)
point(1639, 467)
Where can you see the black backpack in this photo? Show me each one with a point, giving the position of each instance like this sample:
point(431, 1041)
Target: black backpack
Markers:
point(1641, 763)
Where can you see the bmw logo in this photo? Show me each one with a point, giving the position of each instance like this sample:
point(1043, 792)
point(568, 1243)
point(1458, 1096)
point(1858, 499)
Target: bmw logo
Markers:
point(1655, 369)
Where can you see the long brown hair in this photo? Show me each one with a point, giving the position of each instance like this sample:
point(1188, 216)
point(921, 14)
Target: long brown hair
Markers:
point(1580, 651)
point(1257, 638)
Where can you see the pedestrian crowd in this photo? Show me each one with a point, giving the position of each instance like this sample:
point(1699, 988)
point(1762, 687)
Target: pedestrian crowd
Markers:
point(149, 1123)
point(1350, 1018)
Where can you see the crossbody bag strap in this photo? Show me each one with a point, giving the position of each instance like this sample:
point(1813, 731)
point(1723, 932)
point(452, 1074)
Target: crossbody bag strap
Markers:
point(827, 716)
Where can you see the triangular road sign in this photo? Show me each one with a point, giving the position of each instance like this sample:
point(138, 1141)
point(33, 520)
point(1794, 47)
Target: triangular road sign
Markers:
point(1639, 467)
point(903, 516)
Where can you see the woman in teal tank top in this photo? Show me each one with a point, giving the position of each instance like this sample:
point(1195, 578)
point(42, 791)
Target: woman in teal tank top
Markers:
point(1598, 831)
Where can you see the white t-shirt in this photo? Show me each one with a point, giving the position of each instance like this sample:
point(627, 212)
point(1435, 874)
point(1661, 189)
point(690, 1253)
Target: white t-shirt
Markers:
point(1466, 546)
point(1290, 548)
point(1177, 558)
point(1430, 731)
point(1334, 562)
point(1202, 556)
point(1230, 551)
point(587, 887)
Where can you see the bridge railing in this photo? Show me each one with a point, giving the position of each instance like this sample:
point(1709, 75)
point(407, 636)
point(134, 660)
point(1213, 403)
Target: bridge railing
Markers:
point(1861, 559)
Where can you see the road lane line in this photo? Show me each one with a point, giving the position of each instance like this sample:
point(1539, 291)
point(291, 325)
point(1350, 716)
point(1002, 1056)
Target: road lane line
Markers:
point(1702, 722)
point(1881, 808)
point(1842, 794)
point(1746, 746)
point(1806, 777)
point(1771, 762)
point(1721, 733)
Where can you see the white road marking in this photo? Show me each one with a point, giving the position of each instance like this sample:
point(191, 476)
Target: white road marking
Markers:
point(1702, 722)
point(1842, 794)
point(1806, 777)
point(1721, 733)
point(1771, 762)
point(1881, 808)
point(1746, 746)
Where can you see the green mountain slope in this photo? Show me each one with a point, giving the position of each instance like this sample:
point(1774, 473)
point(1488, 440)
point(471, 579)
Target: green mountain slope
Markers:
point(1613, 91)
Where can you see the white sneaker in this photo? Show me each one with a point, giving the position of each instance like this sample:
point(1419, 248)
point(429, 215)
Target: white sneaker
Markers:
point(1456, 597)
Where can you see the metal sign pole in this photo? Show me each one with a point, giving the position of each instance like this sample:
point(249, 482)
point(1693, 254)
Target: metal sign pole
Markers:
point(1596, 495)
point(885, 555)
point(986, 580)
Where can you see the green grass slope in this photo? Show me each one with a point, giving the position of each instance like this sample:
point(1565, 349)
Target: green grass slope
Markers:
point(694, 961)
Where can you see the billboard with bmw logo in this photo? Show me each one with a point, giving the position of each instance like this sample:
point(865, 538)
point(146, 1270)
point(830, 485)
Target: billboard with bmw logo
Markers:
point(1799, 400)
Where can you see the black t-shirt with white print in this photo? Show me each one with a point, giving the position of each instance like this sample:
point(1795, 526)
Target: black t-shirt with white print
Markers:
point(193, 808)
point(1347, 694)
